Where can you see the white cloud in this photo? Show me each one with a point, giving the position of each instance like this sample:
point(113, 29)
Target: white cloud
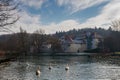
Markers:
point(33, 3)
point(108, 13)
point(28, 22)
point(77, 5)
point(62, 26)
point(29, 18)
point(31, 23)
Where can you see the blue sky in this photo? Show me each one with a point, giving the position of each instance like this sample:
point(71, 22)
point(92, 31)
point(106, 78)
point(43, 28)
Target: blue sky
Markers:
point(50, 11)
point(64, 15)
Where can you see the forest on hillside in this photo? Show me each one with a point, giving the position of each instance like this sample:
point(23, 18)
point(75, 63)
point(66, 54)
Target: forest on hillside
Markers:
point(21, 42)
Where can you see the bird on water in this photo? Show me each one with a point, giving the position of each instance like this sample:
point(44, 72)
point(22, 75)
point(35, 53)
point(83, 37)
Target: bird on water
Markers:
point(38, 71)
point(50, 67)
point(67, 67)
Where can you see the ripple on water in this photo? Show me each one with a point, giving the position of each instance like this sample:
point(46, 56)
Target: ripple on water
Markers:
point(81, 68)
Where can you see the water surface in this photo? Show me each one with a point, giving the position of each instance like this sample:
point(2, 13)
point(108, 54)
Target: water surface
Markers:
point(81, 68)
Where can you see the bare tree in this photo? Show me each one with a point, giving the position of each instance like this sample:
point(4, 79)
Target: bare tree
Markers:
point(8, 13)
point(55, 44)
point(23, 41)
point(116, 25)
point(37, 38)
point(39, 31)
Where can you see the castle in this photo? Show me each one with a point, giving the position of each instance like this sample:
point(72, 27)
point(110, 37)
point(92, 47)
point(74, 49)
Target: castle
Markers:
point(87, 41)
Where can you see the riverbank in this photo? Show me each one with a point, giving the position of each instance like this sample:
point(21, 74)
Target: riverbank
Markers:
point(12, 56)
point(7, 56)
point(70, 54)
point(117, 53)
point(6, 60)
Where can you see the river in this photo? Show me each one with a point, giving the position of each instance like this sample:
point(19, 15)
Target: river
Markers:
point(80, 68)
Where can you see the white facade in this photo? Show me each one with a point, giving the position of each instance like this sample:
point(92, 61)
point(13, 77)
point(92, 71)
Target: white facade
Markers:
point(76, 48)
point(80, 44)
point(95, 43)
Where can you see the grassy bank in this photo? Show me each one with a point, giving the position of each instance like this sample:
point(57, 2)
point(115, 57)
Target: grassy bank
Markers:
point(7, 56)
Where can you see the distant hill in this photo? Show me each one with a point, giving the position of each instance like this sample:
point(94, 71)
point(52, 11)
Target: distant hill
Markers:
point(78, 32)
point(74, 32)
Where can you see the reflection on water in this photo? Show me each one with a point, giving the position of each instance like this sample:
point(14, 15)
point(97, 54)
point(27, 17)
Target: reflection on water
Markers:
point(81, 68)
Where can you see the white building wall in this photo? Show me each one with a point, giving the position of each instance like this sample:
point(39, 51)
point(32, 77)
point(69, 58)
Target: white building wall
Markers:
point(76, 48)
point(83, 47)
point(95, 43)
